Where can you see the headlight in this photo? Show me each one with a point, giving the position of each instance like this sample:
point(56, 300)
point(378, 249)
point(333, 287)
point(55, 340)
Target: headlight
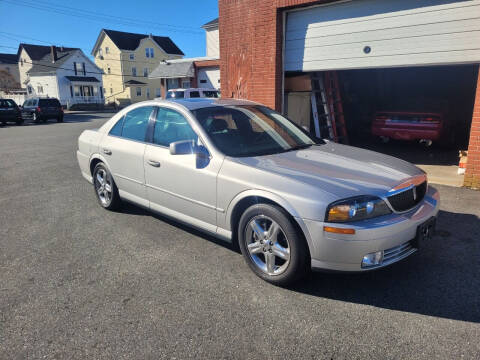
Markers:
point(355, 209)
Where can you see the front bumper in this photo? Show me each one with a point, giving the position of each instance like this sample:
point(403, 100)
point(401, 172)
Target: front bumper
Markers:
point(392, 234)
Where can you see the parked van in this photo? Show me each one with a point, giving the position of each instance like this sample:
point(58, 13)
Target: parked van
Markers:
point(192, 93)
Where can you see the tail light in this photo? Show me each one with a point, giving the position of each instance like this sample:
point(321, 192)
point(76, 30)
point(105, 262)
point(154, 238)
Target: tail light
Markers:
point(39, 109)
point(432, 119)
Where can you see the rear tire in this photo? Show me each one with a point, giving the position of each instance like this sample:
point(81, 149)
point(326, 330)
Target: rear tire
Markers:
point(20, 122)
point(105, 188)
point(265, 234)
point(60, 119)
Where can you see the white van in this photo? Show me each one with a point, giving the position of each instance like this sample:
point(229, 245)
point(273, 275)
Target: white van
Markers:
point(192, 93)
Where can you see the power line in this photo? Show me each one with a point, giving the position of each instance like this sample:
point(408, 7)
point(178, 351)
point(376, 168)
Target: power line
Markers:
point(96, 17)
point(17, 38)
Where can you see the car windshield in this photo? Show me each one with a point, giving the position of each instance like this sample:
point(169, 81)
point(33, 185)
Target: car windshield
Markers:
point(251, 130)
point(175, 95)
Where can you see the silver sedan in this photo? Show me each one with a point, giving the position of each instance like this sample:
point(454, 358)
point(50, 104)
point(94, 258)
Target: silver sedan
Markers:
point(246, 174)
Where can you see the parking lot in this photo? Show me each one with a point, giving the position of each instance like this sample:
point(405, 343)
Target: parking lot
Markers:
point(77, 281)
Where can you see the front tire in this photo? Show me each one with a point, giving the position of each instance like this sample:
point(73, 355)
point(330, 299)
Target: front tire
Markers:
point(272, 246)
point(105, 188)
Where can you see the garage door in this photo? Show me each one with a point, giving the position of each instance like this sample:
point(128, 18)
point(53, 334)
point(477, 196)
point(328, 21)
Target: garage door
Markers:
point(382, 33)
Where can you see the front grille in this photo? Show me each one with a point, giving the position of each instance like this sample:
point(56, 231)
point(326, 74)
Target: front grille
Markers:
point(398, 252)
point(407, 199)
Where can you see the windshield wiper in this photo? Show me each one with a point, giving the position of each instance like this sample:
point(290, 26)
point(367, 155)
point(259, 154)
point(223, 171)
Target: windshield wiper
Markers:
point(298, 147)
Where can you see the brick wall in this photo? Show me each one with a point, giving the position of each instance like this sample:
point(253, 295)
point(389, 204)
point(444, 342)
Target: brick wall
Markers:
point(251, 38)
point(472, 173)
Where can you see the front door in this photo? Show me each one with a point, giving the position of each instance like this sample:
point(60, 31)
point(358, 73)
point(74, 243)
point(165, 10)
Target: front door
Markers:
point(123, 149)
point(180, 185)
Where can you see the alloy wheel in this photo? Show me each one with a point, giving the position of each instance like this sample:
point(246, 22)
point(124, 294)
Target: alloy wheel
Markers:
point(267, 245)
point(103, 186)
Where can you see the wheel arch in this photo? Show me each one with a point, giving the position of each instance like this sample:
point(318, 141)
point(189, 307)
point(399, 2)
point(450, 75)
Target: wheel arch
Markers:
point(248, 198)
point(94, 160)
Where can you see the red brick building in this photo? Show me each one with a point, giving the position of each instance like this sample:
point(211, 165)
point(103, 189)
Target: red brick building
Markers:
point(256, 59)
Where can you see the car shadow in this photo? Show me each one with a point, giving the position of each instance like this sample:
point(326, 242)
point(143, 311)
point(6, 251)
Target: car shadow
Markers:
point(442, 280)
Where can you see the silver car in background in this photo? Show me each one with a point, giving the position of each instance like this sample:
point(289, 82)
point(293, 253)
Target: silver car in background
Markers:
point(244, 173)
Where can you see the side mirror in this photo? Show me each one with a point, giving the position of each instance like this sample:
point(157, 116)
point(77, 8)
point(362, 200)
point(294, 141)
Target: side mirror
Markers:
point(183, 147)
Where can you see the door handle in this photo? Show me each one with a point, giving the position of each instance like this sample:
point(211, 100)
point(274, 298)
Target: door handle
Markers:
point(153, 163)
point(107, 151)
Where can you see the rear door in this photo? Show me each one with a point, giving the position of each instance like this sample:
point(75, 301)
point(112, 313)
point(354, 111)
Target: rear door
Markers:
point(123, 149)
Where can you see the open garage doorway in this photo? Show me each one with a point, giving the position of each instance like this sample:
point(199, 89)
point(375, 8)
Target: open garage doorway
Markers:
point(419, 114)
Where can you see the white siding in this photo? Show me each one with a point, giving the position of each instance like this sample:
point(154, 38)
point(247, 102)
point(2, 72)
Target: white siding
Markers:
point(67, 69)
point(212, 77)
point(399, 33)
point(47, 82)
point(213, 48)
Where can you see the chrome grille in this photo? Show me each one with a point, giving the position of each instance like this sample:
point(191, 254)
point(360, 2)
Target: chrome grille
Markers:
point(407, 199)
point(398, 252)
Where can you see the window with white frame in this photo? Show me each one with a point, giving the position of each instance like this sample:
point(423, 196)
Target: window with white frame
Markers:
point(186, 84)
point(149, 52)
point(145, 72)
point(148, 93)
point(100, 52)
point(107, 50)
point(134, 71)
point(79, 68)
point(132, 56)
point(40, 89)
point(158, 92)
point(76, 90)
point(139, 91)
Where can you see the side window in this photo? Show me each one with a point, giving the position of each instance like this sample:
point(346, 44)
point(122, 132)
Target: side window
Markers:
point(134, 124)
point(117, 128)
point(171, 126)
point(194, 94)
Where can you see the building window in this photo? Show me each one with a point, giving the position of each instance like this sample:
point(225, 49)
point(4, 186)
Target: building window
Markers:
point(100, 52)
point(139, 91)
point(109, 70)
point(203, 81)
point(21, 62)
point(107, 50)
point(134, 71)
point(158, 92)
point(76, 90)
point(111, 90)
point(79, 68)
point(149, 52)
point(185, 84)
point(132, 56)
point(145, 72)
point(30, 90)
point(148, 93)
point(40, 89)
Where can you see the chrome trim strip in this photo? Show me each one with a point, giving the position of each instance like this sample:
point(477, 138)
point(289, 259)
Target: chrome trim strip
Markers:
point(183, 197)
point(127, 178)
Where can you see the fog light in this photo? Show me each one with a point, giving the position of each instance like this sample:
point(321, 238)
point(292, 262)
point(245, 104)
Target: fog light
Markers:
point(372, 259)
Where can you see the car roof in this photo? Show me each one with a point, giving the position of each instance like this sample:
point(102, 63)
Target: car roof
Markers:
point(194, 89)
point(198, 103)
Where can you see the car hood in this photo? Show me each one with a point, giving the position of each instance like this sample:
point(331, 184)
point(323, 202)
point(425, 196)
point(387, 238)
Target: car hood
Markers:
point(338, 169)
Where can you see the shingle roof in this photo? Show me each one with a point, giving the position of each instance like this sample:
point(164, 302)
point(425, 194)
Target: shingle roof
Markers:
point(130, 41)
point(82, 78)
point(45, 64)
point(212, 23)
point(37, 52)
point(173, 70)
point(8, 59)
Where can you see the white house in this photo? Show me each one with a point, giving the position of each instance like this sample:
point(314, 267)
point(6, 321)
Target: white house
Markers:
point(68, 75)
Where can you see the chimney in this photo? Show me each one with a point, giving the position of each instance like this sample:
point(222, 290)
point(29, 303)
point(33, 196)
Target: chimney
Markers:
point(53, 53)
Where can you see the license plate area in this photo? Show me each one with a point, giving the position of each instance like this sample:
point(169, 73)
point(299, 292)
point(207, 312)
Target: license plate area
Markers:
point(425, 232)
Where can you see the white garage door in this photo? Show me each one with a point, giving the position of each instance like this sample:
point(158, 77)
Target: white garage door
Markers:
point(382, 33)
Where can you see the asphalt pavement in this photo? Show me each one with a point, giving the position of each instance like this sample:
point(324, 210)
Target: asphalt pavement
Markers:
point(80, 282)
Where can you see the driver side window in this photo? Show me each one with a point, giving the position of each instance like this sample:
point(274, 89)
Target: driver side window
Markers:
point(171, 126)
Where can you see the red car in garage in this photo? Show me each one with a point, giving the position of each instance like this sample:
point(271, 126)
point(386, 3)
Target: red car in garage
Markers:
point(406, 125)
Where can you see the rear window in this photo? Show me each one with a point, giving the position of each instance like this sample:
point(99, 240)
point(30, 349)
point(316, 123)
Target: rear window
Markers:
point(175, 95)
point(49, 102)
point(7, 103)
